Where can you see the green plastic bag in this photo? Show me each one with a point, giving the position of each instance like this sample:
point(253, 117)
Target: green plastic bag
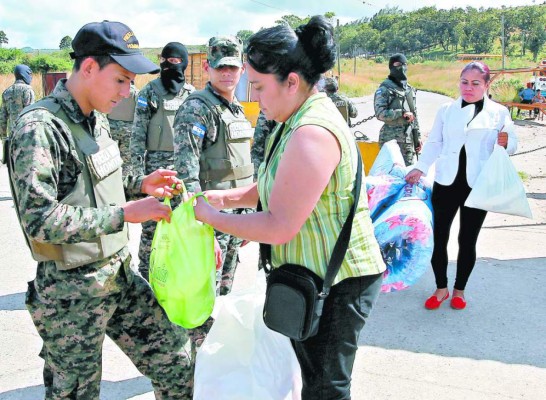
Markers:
point(182, 267)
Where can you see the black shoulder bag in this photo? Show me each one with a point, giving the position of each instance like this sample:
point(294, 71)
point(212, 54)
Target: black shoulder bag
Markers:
point(295, 295)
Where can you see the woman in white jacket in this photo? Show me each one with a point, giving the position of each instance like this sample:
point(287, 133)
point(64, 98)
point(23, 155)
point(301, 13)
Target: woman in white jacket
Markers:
point(461, 141)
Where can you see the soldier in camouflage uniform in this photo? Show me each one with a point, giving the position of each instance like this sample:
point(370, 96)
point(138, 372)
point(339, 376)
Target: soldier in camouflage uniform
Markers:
point(395, 105)
point(263, 129)
point(152, 136)
point(15, 98)
point(343, 104)
point(65, 172)
point(212, 145)
point(121, 124)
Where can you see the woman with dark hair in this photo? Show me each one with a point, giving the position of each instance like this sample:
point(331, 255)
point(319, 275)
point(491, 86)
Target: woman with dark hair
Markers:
point(462, 139)
point(306, 188)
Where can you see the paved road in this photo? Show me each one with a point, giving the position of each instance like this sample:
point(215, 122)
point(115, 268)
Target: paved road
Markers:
point(495, 349)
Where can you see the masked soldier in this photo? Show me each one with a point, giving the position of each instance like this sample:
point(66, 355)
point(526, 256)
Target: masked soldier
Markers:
point(395, 105)
point(14, 99)
point(121, 124)
point(152, 136)
point(343, 104)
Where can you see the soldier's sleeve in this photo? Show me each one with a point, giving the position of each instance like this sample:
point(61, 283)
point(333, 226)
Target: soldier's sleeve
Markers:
point(353, 112)
point(261, 132)
point(42, 161)
point(139, 132)
point(193, 126)
point(3, 119)
point(381, 104)
point(28, 97)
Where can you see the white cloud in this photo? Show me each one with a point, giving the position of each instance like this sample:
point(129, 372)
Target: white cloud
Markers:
point(42, 24)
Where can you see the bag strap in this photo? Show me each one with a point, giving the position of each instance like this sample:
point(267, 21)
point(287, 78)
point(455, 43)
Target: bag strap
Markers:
point(342, 243)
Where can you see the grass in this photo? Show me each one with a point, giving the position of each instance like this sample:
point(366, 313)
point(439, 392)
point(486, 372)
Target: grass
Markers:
point(363, 77)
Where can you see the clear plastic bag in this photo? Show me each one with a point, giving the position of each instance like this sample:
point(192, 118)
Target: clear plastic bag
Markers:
point(241, 359)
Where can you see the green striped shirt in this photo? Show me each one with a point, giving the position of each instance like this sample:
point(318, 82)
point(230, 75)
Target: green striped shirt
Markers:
point(313, 245)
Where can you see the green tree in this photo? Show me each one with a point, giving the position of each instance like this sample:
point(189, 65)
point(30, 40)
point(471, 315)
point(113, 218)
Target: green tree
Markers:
point(3, 38)
point(244, 35)
point(66, 43)
point(292, 20)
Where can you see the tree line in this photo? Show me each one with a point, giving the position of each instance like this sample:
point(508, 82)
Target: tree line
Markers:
point(468, 30)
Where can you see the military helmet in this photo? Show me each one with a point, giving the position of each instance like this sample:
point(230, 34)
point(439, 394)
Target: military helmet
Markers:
point(331, 85)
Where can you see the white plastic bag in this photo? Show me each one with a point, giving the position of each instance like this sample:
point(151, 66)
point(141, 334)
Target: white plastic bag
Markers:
point(241, 359)
point(499, 188)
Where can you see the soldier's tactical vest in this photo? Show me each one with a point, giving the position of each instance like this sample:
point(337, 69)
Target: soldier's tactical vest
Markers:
point(124, 110)
point(399, 99)
point(227, 163)
point(160, 130)
point(343, 108)
point(99, 184)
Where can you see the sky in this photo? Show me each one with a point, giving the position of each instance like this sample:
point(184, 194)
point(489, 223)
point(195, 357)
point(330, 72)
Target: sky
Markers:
point(41, 24)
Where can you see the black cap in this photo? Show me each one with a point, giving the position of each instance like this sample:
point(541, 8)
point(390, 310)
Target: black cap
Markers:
point(112, 39)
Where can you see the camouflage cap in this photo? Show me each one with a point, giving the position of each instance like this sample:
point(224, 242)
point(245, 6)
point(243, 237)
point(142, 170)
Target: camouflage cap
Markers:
point(330, 84)
point(225, 50)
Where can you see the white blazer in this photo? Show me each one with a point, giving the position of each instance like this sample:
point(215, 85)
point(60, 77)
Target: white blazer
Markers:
point(454, 128)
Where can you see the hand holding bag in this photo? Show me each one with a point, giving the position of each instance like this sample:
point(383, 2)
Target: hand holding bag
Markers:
point(295, 295)
point(182, 267)
point(499, 188)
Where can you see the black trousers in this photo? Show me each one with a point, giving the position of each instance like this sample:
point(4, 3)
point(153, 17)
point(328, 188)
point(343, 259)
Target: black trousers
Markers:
point(446, 201)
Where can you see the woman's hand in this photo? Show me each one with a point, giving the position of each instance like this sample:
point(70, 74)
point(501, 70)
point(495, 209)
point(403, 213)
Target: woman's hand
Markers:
point(203, 210)
point(215, 198)
point(502, 139)
point(413, 176)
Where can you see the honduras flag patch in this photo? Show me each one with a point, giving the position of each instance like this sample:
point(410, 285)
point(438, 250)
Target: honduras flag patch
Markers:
point(141, 102)
point(199, 130)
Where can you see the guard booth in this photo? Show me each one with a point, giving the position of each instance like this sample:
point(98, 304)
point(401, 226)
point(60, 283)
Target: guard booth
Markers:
point(50, 79)
point(194, 73)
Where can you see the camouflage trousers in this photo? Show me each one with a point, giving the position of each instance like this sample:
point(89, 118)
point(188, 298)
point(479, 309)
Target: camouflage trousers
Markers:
point(121, 133)
point(404, 142)
point(154, 160)
point(73, 333)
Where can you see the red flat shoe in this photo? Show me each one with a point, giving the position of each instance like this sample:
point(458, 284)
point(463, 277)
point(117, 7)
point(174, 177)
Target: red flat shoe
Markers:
point(458, 303)
point(433, 303)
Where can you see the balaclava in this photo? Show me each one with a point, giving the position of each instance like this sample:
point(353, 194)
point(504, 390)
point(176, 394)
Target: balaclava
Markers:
point(398, 74)
point(23, 72)
point(172, 75)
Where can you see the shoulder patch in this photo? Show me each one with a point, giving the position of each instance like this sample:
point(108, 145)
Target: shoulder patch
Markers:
point(199, 130)
point(142, 102)
point(378, 91)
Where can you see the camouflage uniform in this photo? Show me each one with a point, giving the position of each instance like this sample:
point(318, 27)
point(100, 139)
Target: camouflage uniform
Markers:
point(263, 129)
point(73, 309)
point(120, 129)
point(344, 105)
point(144, 161)
point(390, 103)
point(14, 99)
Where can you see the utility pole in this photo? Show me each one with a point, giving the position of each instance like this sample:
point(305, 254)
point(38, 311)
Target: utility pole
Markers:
point(502, 39)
